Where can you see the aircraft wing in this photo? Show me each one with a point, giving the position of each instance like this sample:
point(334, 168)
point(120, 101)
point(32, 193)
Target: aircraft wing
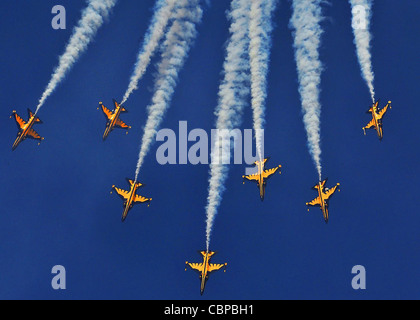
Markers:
point(107, 112)
point(122, 193)
point(383, 111)
point(33, 135)
point(268, 173)
point(370, 124)
point(215, 267)
point(253, 177)
point(315, 202)
point(196, 266)
point(19, 121)
point(119, 123)
point(330, 192)
point(140, 199)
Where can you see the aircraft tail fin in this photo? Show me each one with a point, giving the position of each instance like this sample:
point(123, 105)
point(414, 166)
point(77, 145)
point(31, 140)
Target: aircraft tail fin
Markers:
point(372, 108)
point(132, 182)
point(264, 161)
point(203, 253)
point(321, 183)
point(117, 105)
point(31, 114)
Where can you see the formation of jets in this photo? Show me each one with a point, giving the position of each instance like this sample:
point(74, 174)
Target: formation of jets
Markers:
point(261, 176)
point(324, 195)
point(25, 129)
point(377, 116)
point(205, 268)
point(113, 118)
point(130, 197)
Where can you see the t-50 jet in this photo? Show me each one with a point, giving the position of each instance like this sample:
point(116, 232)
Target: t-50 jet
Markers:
point(261, 176)
point(324, 195)
point(130, 197)
point(25, 128)
point(377, 116)
point(205, 268)
point(113, 118)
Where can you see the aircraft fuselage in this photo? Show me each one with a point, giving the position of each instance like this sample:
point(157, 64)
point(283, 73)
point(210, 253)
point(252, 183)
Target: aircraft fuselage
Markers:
point(129, 202)
point(378, 124)
point(324, 205)
point(112, 122)
point(24, 132)
point(204, 275)
point(261, 182)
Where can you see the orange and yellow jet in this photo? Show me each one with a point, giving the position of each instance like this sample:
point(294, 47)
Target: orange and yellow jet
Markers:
point(323, 197)
point(113, 118)
point(130, 197)
point(26, 128)
point(261, 176)
point(205, 268)
point(377, 116)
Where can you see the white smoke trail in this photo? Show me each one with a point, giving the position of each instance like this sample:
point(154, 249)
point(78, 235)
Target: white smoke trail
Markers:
point(362, 13)
point(175, 51)
point(163, 12)
point(233, 94)
point(305, 22)
point(92, 19)
point(259, 51)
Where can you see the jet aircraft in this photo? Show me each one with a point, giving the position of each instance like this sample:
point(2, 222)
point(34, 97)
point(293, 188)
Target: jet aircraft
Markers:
point(205, 268)
point(26, 128)
point(261, 176)
point(130, 197)
point(377, 116)
point(113, 118)
point(324, 195)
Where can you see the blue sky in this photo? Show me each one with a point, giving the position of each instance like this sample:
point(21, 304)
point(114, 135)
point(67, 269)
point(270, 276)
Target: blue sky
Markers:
point(55, 203)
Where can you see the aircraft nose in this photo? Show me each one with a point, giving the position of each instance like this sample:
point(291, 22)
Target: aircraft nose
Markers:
point(15, 145)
